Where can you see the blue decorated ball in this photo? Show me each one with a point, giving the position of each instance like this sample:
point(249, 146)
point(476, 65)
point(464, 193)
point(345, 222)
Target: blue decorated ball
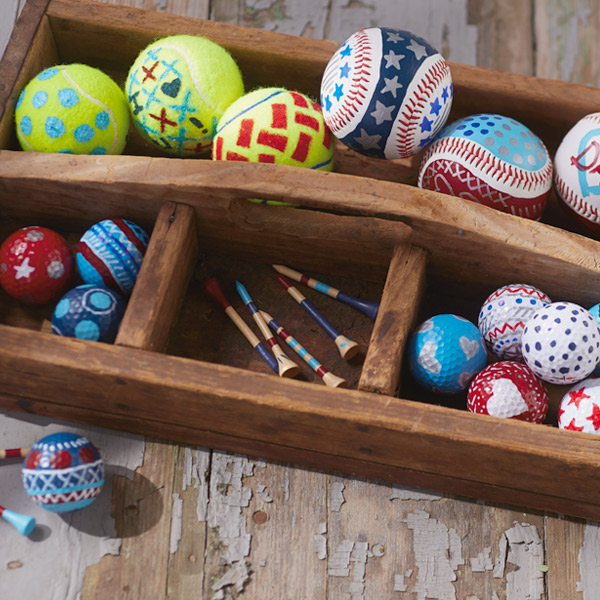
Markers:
point(63, 472)
point(74, 109)
point(445, 353)
point(89, 312)
point(386, 92)
point(595, 312)
point(111, 252)
point(493, 160)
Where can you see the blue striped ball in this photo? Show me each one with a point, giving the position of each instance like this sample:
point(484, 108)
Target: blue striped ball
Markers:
point(111, 252)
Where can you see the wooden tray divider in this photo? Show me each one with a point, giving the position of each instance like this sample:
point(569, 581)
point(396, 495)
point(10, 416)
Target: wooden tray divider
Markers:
point(399, 306)
point(162, 281)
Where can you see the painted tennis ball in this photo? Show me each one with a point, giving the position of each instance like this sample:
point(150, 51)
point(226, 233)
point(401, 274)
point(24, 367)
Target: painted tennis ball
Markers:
point(275, 125)
point(178, 88)
point(74, 109)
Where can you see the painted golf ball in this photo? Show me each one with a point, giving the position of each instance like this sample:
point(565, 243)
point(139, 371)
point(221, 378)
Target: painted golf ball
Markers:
point(63, 472)
point(580, 407)
point(561, 343)
point(386, 92)
point(36, 265)
point(111, 252)
point(89, 312)
point(445, 353)
point(595, 312)
point(503, 316)
point(509, 390)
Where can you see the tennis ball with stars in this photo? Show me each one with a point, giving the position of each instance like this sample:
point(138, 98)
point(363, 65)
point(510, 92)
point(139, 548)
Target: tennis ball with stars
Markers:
point(178, 88)
point(386, 92)
point(74, 109)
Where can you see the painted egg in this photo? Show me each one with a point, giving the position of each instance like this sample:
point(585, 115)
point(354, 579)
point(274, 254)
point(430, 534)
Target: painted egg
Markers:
point(63, 472)
point(111, 252)
point(492, 160)
point(386, 92)
point(445, 353)
point(36, 265)
point(503, 316)
point(89, 312)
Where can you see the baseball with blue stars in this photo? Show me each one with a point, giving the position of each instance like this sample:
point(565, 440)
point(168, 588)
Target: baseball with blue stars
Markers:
point(386, 92)
point(445, 353)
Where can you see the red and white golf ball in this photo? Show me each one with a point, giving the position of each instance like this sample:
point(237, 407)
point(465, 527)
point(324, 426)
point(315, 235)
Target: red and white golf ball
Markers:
point(36, 265)
point(509, 390)
point(503, 316)
point(561, 343)
point(580, 407)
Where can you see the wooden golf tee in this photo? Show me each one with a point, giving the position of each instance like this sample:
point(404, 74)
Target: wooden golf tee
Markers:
point(14, 453)
point(213, 290)
point(346, 347)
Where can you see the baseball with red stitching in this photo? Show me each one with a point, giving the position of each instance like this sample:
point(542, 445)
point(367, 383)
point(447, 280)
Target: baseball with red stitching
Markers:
point(386, 92)
point(492, 160)
point(577, 171)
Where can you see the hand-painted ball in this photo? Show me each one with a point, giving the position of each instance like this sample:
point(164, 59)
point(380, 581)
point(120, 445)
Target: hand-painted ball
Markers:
point(386, 92)
point(595, 312)
point(89, 312)
point(36, 265)
point(111, 252)
point(576, 166)
point(580, 407)
point(561, 343)
point(75, 109)
point(492, 160)
point(503, 316)
point(178, 88)
point(63, 472)
point(445, 353)
point(509, 390)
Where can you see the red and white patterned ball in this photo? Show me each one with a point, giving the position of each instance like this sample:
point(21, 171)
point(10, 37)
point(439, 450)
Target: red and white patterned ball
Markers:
point(36, 265)
point(580, 407)
point(509, 390)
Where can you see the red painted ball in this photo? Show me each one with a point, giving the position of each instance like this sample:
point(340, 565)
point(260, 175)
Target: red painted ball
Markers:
point(36, 265)
point(509, 390)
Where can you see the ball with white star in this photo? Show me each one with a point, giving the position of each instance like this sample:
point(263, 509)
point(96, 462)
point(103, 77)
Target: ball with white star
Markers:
point(36, 265)
point(386, 92)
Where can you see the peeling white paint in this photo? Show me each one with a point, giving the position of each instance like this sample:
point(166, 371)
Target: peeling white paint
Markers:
point(483, 561)
point(438, 553)
point(522, 547)
point(176, 523)
point(410, 493)
point(61, 547)
point(261, 490)
point(358, 557)
point(286, 486)
point(338, 564)
point(336, 495)
point(196, 465)
point(321, 541)
point(589, 559)
point(235, 577)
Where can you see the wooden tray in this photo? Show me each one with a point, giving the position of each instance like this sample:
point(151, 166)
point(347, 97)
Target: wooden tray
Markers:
point(180, 371)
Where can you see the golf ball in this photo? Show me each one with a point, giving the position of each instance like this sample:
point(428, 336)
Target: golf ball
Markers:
point(580, 407)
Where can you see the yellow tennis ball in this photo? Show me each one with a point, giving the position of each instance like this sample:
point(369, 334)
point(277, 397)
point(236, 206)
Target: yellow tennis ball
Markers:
point(275, 125)
point(178, 88)
point(75, 109)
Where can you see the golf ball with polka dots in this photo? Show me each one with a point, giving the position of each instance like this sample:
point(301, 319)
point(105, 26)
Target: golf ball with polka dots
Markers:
point(492, 160)
point(36, 265)
point(561, 343)
point(509, 390)
point(89, 312)
point(503, 316)
point(73, 109)
point(445, 353)
point(63, 472)
point(580, 407)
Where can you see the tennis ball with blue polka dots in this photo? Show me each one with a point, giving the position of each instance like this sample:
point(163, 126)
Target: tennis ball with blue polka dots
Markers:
point(74, 109)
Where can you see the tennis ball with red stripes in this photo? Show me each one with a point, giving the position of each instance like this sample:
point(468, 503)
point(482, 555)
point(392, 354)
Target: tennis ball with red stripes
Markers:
point(74, 109)
point(178, 88)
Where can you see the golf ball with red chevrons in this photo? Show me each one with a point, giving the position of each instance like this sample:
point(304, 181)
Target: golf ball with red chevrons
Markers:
point(509, 390)
point(36, 265)
point(503, 316)
point(445, 353)
point(580, 407)
point(561, 343)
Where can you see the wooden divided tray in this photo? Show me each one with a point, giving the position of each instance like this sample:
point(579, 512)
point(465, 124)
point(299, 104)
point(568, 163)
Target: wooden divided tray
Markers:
point(180, 370)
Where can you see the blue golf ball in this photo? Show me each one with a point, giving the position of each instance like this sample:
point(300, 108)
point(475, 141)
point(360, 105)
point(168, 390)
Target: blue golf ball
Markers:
point(89, 312)
point(445, 353)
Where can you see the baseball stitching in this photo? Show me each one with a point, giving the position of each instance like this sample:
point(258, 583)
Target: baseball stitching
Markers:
point(578, 204)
